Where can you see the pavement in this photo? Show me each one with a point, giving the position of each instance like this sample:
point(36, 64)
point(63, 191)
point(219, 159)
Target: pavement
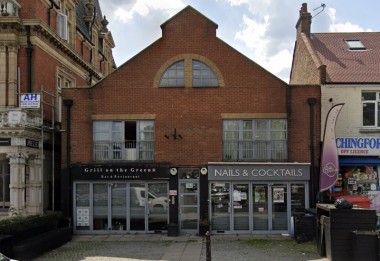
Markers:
point(143, 247)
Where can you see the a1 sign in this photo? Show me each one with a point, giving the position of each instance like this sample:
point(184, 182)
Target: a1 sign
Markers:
point(30, 101)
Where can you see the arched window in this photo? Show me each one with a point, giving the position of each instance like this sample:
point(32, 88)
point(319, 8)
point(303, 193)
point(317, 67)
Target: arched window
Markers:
point(203, 76)
point(174, 76)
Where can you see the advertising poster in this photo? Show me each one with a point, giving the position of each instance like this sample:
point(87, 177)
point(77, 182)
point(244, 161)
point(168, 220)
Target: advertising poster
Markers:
point(278, 195)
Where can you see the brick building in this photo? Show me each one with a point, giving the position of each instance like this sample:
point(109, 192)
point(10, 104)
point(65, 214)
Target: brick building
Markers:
point(189, 132)
point(45, 45)
point(345, 66)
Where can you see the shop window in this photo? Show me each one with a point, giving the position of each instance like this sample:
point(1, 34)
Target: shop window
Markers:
point(123, 140)
point(82, 204)
point(371, 107)
point(255, 140)
point(361, 181)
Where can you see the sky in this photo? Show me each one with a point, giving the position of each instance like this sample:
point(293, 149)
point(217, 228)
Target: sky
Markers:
point(262, 30)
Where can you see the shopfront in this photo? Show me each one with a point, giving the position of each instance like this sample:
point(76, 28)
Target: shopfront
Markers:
point(359, 164)
point(256, 198)
point(120, 199)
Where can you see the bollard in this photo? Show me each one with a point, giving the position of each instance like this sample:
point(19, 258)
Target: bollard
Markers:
point(208, 246)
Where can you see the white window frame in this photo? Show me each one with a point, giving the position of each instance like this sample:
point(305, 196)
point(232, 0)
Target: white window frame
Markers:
point(253, 144)
point(376, 104)
point(62, 29)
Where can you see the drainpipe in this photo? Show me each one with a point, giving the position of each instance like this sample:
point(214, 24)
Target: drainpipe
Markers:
point(52, 5)
point(29, 51)
point(68, 104)
point(312, 102)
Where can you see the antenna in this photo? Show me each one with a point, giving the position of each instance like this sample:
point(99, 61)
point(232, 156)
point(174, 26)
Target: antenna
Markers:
point(323, 8)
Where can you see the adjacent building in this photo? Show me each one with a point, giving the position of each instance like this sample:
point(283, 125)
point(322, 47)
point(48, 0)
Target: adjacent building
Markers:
point(346, 67)
point(45, 46)
point(190, 133)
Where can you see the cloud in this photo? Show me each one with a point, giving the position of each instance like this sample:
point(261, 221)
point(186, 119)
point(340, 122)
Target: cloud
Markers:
point(266, 36)
point(343, 27)
point(143, 8)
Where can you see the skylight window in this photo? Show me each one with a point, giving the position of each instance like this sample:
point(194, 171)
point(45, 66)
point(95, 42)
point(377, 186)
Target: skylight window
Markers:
point(355, 45)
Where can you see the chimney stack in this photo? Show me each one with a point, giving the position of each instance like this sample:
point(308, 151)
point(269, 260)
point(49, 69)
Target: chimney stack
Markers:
point(304, 21)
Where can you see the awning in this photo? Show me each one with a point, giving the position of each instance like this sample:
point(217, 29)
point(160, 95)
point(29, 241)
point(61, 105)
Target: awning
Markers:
point(358, 161)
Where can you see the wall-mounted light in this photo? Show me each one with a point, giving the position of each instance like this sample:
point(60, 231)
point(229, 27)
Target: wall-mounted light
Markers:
point(173, 171)
point(203, 171)
point(174, 136)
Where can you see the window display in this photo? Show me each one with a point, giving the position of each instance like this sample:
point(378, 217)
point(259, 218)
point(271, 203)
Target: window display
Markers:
point(362, 181)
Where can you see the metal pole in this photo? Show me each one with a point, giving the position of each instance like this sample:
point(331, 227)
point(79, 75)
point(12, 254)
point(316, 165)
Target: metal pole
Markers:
point(42, 148)
point(208, 246)
point(53, 153)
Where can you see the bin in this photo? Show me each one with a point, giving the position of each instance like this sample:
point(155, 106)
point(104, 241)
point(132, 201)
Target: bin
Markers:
point(172, 230)
point(338, 225)
point(365, 245)
point(304, 227)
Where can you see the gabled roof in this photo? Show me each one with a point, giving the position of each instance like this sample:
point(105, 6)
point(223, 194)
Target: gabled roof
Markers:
point(184, 10)
point(348, 66)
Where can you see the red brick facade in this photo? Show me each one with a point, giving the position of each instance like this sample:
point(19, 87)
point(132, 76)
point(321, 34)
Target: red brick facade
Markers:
point(195, 112)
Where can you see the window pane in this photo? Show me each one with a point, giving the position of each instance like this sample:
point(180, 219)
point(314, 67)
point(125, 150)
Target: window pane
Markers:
point(278, 135)
point(231, 125)
point(368, 114)
point(247, 125)
point(247, 135)
point(368, 96)
point(278, 125)
point(146, 136)
point(203, 75)
point(378, 114)
point(100, 126)
point(146, 125)
point(261, 125)
point(173, 76)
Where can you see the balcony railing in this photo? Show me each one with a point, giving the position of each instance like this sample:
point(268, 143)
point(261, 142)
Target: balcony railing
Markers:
point(19, 118)
point(9, 8)
point(255, 150)
point(123, 151)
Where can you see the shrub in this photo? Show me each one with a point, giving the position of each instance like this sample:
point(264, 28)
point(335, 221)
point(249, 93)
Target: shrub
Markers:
point(24, 224)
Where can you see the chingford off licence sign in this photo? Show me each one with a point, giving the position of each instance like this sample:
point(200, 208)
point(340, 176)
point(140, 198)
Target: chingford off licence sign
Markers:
point(358, 146)
point(259, 172)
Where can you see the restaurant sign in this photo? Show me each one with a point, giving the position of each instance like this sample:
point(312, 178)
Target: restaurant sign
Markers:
point(120, 172)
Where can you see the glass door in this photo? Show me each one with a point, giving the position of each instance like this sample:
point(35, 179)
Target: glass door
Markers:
point(118, 206)
point(82, 206)
point(188, 205)
point(220, 206)
point(100, 206)
point(158, 206)
point(260, 207)
point(137, 206)
point(279, 207)
point(241, 204)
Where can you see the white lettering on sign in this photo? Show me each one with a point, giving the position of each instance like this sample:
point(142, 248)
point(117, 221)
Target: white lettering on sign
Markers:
point(258, 172)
